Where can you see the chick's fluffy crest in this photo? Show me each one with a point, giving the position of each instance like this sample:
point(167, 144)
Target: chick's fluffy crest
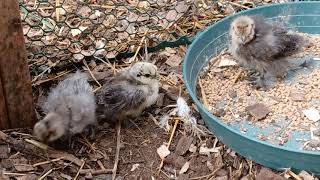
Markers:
point(242, 29)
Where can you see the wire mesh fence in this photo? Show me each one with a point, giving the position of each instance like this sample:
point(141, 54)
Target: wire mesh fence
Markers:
point(62, 32)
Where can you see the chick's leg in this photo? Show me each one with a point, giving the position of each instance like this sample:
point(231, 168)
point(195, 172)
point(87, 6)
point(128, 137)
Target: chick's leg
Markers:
point(90, 131)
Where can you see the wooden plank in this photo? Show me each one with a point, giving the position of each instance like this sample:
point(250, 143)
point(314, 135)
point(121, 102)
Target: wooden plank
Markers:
point(4, 124)
point(14, 71)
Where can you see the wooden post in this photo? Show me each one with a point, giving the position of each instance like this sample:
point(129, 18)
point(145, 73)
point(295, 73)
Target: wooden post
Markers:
point(16, 106)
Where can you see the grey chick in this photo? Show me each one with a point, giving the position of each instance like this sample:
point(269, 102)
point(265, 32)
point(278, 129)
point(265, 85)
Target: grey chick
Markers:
point(263, 46)
point(128, 93)
point(70, 109)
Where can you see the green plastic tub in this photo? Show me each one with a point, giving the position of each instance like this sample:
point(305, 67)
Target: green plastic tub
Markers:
point(304, 17)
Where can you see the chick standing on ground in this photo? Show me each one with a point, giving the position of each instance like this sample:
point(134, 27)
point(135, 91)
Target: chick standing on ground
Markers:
point(128, 93)
point(263, 46)
point(70, 109)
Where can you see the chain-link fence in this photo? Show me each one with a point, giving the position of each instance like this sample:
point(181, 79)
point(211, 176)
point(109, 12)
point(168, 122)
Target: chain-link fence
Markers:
point(62, 32)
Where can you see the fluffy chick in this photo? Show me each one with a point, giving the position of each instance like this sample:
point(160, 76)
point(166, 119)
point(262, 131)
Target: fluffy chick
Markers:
point(263, 46)
point(70, 109)
point(128, 93)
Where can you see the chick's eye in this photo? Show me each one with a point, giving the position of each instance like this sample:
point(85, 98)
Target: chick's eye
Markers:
point(147, 75)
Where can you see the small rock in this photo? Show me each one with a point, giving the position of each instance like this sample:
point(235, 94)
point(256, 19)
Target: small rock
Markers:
point(221, 178)
point(267, 174)
point(258, 111)
point(4, 151)
point(183, 177)
point(297, 96)
point(183, 145)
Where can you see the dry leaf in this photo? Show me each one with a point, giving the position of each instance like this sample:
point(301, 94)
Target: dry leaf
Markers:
point(163, 151)
point(312, 114)
point(172, 15)
point(184, 168)
point(174, 60)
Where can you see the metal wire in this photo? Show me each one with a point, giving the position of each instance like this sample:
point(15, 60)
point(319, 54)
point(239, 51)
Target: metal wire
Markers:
point(63, 32)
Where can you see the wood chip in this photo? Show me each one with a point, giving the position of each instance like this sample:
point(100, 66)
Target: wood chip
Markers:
point(163, 151)
point(267, 174)
point(258, 111)
point(297, 96)
point(4, 151)
point(23, 167)
point(183, 145)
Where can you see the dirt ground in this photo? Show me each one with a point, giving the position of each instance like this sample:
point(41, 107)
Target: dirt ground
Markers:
point(191, 156)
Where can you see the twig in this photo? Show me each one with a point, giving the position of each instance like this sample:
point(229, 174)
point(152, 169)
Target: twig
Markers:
point(258, 94)
point(203, 94)
point(237, 77)
point(57, 10)
point(13, 174)
point(94, 78)
point(116, 161)
point(37, 144)
point(239, 5)
point(138, 49)
point(95, 172)
point(108, 63)
point(46, 174)
point(294, 175)
point(84, 161)
point(136, 125)
point(170, 140)
point(101, 165)
point(146, 50)
point(50, 79)
point(173, 130)
point(47, 69)
point(47, 162)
